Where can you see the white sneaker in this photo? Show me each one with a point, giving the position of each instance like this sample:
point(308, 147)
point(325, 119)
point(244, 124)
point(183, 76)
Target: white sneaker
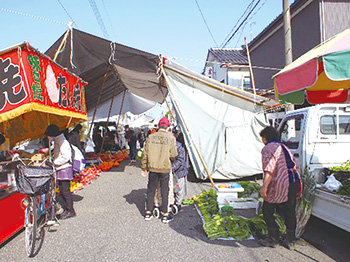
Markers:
point(53, 222)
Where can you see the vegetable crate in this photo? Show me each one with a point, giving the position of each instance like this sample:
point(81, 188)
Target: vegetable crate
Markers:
point(242, 203)
point(223, 193)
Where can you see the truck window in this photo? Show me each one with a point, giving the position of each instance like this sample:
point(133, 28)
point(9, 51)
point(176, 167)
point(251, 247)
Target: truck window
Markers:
point(344, 124)
point(290, 132)
point(329, 125)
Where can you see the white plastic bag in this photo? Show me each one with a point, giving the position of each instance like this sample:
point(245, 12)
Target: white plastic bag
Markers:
point(89, 145)
point(78, 159)
point(332, 183)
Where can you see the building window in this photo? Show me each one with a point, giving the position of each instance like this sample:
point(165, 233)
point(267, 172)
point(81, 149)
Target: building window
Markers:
point(246, 82)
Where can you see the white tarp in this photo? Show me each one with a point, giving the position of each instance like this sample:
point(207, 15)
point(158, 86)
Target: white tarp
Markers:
point(132, 103)
point(224, 128)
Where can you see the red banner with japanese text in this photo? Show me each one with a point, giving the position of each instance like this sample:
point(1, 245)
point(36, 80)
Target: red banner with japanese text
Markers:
point(35, 92)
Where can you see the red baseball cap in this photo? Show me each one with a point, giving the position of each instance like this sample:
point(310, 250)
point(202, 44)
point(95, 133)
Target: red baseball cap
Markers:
point(164, 122)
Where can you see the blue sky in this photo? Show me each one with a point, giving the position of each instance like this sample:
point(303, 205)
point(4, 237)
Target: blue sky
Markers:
point(174, 28)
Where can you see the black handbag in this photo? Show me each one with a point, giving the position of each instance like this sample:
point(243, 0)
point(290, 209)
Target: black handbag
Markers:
point(33, 180)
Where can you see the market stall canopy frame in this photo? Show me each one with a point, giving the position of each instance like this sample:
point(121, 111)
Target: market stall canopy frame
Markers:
point(110, 69)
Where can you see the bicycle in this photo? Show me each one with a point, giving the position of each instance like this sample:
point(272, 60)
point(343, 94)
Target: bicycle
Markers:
point(39, 184)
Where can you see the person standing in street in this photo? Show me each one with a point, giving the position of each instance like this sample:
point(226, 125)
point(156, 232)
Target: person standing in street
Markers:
point(62, 161)
point(97, 138)
point(180, 170)
point(280, 187)
point(132, 146)
point(141, 137)
point(159, 151)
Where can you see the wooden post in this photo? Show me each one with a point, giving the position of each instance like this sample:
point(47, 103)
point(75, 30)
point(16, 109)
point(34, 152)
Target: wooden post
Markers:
point(98, 101)
point(109, 114)
point(63, 41)
point(189, 133)
point(250, 68)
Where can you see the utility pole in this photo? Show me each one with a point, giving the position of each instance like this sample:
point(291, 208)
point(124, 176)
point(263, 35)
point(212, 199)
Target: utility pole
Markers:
point(287, 33)
point(287, 39)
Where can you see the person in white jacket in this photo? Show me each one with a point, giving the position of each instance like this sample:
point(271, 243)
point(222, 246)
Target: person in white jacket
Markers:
point(62, 160)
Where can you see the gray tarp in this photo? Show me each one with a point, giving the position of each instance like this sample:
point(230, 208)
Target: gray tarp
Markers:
point(127, 68)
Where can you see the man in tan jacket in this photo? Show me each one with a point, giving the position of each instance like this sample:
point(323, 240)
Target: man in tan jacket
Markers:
point(160, 148)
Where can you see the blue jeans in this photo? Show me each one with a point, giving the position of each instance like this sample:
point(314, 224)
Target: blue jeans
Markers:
point(133, 152)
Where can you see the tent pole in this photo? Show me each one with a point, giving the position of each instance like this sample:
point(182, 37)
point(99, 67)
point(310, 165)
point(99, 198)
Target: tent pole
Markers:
point(121, 108)
point(199, 154)
point(98, 101)
point(63, 41)
point(109, 114)
point(250, 68)
point(161, 61)
point(171, 113)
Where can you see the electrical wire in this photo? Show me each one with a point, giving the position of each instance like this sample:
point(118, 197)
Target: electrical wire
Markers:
point(32, 16)
point(109, 20)
point(228, 40)
point(219, 63)
point(98, 18)
point(246, 10)
point(249, 21)
point(206, 24)
point(70, 17)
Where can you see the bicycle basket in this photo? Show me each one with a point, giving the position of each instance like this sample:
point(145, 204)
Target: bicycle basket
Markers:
point(33, 180)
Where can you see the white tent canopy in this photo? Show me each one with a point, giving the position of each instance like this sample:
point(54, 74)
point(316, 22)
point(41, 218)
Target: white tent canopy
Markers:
point(220, 126)
point(132, 103)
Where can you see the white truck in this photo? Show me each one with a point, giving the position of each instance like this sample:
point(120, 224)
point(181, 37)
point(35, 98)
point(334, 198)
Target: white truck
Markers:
point(319, 137)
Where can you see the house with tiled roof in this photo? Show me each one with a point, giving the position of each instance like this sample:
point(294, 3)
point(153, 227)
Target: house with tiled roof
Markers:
point(229, 66)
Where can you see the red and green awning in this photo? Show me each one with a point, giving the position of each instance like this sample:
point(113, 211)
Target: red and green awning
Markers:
point(323, 72)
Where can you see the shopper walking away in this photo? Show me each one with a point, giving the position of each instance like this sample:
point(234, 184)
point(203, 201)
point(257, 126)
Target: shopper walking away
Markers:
point(158, 152)
point(280, 187)
point(141, 137)
point(180, 170)
point(62, 160)
point(132, 145)
point(97, 138)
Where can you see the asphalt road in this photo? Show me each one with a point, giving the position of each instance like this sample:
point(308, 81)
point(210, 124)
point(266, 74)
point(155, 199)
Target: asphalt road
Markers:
point(109, 226)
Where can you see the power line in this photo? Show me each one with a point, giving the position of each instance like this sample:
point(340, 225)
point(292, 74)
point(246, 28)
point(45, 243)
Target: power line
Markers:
point(246, 10)
point(67, 13)
point(174, 58)
point(249, 20)
point(32, 16)
point(109, 20)
point(206, 23)
point(241, 24)
point(99, 18)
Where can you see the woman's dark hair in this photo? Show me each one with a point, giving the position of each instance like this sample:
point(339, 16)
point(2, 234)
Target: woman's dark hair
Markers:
point(77, 128)
point(269, 133)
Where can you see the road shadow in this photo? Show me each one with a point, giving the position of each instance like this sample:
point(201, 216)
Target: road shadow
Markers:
point(188, 223)
point(137, 197)
point(329, 239)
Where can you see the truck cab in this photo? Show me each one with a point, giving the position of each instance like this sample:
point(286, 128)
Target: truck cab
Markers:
point(319, 137)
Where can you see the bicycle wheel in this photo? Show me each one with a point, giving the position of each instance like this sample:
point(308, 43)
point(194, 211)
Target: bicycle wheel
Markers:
point(34, 229)
point(30, 226)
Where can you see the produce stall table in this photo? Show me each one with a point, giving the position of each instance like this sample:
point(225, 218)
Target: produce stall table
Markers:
point(36, 92)
point(12, 215)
